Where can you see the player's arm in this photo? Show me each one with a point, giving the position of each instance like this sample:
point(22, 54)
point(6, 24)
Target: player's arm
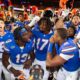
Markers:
point(52, 51)
point(30, 60)
point(34, 21)
point(52, 62)
point(7, 65)
point(51, 47)
point(31, 56)
point(58, 60)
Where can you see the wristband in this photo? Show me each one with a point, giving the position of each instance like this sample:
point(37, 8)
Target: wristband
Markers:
point(50, 48)
point(9, 66)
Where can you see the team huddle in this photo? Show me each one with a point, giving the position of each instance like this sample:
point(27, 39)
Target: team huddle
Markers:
point(34, 49)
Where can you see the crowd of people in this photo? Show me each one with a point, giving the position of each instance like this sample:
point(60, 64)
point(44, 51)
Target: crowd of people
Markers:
point(40, 44)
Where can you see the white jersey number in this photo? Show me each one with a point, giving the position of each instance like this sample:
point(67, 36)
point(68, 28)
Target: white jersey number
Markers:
point(44, 41)
point(21, 58)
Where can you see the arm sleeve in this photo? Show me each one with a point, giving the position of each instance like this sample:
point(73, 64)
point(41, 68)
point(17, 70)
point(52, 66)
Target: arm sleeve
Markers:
point(50, 48)
point(66, 57)
point(67, 53)
point(32, 45)
point(34, 21)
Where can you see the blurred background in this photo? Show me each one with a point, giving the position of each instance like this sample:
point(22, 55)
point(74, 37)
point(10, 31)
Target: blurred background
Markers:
point(40, 3)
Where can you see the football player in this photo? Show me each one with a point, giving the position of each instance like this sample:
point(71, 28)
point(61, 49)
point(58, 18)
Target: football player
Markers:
point(67, 57)
point(77, 41)
point(20, 21)
point(5, 36)
point(18, 55)
point(75, 21)
point(42, 33)
point(47, 13)
point(71, 32)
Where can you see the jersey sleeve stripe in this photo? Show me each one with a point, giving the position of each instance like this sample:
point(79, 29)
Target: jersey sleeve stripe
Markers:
point(66, 57)
point(69, 49)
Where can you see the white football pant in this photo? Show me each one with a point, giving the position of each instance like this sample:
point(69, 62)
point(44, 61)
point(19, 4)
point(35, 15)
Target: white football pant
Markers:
point(66, 75)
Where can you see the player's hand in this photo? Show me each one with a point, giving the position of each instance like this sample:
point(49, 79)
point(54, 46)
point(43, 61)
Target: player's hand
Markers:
point(27, 64)
point(22, 77)
point(17, 73)
point(52, 39)
point(27, 27)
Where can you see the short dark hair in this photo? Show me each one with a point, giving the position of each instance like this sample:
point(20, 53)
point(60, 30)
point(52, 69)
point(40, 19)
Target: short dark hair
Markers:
point(16, 34)
point(20, 14)
point(62, 33)
point(47, 21)
point(48, 13)
point(73, 27)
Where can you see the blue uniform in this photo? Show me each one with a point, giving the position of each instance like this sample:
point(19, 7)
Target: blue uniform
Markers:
point(7, 37)
point(69, 48)
point(57, 48)
point(19, 23)
point(71, 38)
point(68, 24)
point(26, 22)
point(41, 43)
point(17, 55)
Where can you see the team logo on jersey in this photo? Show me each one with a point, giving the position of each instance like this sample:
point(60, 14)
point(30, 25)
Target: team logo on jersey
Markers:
point(8, 41)
point(12, 47)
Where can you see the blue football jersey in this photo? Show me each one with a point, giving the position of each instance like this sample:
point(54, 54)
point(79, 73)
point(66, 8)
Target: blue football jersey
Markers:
point(41, 43)
point(7, 37)
point(26, 22)
point(17, 54)
point(69, 48)
point(68, 24)
point(57, 48)
point(19, 23)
